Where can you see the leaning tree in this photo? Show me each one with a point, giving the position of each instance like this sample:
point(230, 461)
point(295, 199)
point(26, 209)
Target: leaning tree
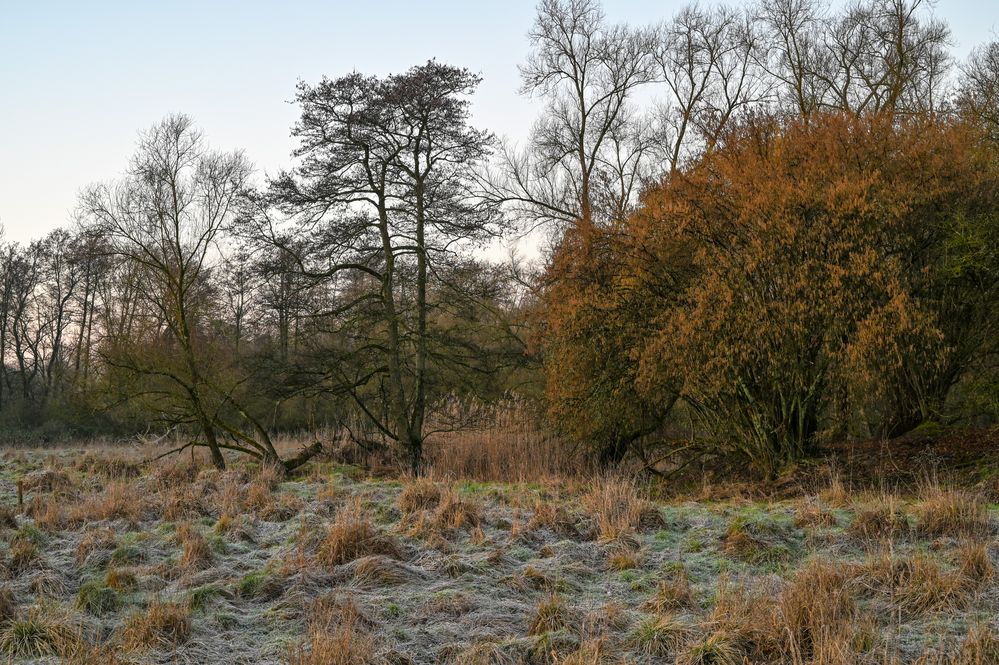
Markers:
point(165, 219)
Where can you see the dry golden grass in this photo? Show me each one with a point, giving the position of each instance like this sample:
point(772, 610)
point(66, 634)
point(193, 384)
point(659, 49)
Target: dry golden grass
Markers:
point(662, 635)
point(836, 494)
point(42, 631)
point(338, 633)
point(814, 619)
point(48, 512)
point(673, 592)
point(531, 577)
point(718, 648)
point(816, 615)
point(344, 646)
point(740, 542)
point(351, 536)
point(230, 495)
point(915, 584)
point(175, 471)
point(881, 518)
point(111, 467)
point(623, 558)
point(419, 494)
point(979, 647)
point(453, 512)
point(162, 625)
point(740, 615)
point(329, 493)
point(337, 609)
point(811, 515)
point(259, 497)
point(183, 503)
point(953, 513)
point(619, 508)
point(551, 615)
point(974, 562)
point(197, 554)
point(553, 515)
point(79, 652)
point(45, 480)
point(591, 652)
point(379, 571)
point(527, 539)
point(509, 448)
point(24, 556)
point(120, 500)
point(93, 540)
point(432, 511)
point(613, 616)
point(120, 579)
point(234, 528)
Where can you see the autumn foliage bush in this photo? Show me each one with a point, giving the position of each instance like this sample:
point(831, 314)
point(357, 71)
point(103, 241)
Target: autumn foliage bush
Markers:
point(808, 276)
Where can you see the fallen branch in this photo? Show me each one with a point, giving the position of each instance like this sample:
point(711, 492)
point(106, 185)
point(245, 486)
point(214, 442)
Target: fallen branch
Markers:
point(303, 456)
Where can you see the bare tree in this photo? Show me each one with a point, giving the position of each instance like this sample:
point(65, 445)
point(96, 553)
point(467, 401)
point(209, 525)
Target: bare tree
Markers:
point(705, 60)
point(585, 154)
point(793, 53)
point(875, 56)
point(165, 219)
point(979, 88)
point(60, 279)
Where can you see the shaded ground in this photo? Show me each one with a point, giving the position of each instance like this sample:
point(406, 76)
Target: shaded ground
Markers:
point(174, 563)
point(966, 458)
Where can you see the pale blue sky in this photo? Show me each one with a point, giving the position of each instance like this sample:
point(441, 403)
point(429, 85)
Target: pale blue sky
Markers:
point(79, 79)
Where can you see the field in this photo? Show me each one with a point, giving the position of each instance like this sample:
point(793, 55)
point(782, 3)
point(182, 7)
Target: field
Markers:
point(115, 561)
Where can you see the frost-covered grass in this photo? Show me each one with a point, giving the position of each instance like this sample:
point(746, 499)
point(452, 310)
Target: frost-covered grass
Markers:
point(114, 561)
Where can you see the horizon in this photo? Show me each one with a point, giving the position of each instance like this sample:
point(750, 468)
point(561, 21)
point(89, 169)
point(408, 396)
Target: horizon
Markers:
point(86, 82)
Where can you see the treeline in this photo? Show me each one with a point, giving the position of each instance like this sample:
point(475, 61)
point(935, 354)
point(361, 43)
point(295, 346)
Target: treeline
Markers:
point(797, 239)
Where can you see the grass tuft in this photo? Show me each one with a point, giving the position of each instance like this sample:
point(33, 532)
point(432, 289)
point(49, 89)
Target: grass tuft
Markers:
point(38, 634)
point(951, 513)
point(718, 648)
point(619, 509)
point(662, 635)
point(551, 615)
point(673, 592)
point(351, 536)
point(197, 553)
point(419, 494)
point(162, 625)
point(96, 598)
point(8, 605)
